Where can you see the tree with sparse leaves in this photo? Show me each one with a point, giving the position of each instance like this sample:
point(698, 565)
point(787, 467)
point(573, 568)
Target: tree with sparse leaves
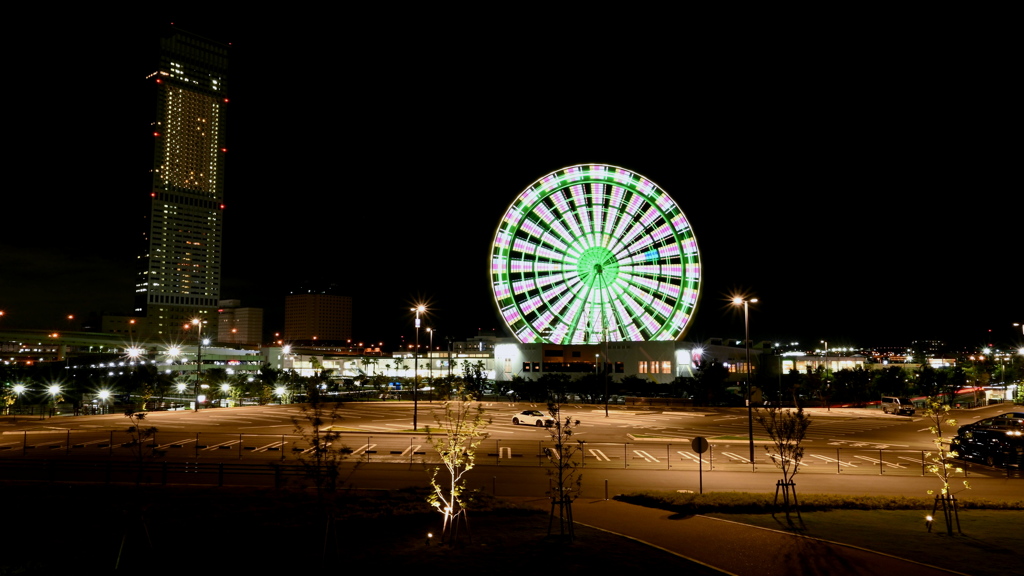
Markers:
point(139, 440)
point(786, 428)
point(323, 457)
point(565, 471)
point(942, 461)
point(460, 431)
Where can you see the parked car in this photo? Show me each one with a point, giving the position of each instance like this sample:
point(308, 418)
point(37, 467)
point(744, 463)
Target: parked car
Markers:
point(993, 446)
point(894, 405)
point(1005, 421)
point(533, 418)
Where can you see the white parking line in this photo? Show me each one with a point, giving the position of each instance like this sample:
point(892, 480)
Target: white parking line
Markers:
point(777, 457)
point(645, 455)
point(692, 456)
point(833, 460)
point(735, 456)
point(269, 446)
point(176, 442)
point(363, 449)
point(876, 461)
point(90, 442)
point(217, 446)
point(411, 450)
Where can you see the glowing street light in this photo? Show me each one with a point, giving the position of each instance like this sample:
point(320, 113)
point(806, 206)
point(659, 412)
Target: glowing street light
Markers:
point(746, 344)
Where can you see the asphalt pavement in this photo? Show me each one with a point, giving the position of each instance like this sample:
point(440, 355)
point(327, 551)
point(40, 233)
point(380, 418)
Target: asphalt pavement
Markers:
point(734, 548)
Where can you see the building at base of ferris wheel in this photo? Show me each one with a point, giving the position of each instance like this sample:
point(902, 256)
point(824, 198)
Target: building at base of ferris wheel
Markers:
point(657, 361)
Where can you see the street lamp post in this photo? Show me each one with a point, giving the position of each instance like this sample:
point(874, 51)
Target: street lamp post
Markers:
point(430, 363)
point(103, 395)
point(416, 366)
point(449, 339)
point(199, 357)
point(825, 373)
point(746, 345)
point(54, 391)
point(18, 389)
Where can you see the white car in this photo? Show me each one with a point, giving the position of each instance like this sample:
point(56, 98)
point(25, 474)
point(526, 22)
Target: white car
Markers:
point(533, 418)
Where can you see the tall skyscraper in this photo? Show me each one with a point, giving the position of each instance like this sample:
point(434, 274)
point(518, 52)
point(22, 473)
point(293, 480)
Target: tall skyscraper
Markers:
point(179, 277)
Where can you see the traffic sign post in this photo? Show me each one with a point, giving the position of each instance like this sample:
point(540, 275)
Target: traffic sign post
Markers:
point(700, 446)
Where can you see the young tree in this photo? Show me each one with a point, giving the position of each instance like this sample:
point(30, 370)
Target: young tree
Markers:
point(942, 465)
point(565, 470)
point(786, 428)
point(142, 450)
point(461, 425)
point(322, 459)
point(139, 437)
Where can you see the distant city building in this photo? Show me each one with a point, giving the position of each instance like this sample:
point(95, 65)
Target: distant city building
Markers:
point(180, 266)
point(238, 325)
point(317, 314)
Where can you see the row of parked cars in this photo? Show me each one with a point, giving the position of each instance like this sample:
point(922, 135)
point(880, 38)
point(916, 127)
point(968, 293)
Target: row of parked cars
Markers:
point(996, 441)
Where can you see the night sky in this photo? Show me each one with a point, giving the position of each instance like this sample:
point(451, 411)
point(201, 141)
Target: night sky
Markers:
point(863, 196)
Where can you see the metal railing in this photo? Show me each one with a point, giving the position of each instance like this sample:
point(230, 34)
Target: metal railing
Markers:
point(223, 448)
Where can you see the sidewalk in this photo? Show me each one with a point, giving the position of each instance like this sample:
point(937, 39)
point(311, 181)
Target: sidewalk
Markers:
point(733, 548)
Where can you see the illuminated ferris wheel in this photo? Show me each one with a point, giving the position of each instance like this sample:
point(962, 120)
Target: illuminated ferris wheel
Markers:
point(595, 253)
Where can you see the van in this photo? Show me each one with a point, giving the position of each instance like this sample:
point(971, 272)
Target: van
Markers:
point(894, 405)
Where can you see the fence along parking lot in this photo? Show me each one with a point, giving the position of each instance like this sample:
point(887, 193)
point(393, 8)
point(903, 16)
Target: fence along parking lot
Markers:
point(259, 449)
